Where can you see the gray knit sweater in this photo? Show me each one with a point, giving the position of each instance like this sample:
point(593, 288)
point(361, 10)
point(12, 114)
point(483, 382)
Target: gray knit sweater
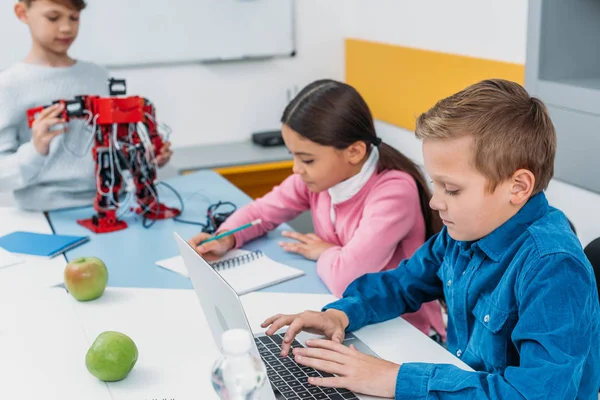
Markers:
point(59, 179)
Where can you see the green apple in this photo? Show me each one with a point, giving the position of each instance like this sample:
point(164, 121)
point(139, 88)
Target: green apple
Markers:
point(111, 357)
point(86, 278)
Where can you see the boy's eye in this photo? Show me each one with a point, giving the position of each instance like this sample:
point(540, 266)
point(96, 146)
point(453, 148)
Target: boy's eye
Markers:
point(308, 161)
point(75, 19)
point(52, 19)
point(451, 192)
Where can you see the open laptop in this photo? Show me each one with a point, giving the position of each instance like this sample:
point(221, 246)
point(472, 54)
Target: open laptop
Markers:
point(224, 311)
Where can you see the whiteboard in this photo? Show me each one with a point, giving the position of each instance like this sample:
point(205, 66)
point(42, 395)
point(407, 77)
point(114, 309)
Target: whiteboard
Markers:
point(143, 32)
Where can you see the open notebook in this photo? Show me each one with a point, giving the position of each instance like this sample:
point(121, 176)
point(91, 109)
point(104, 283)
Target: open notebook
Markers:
point(245, 271)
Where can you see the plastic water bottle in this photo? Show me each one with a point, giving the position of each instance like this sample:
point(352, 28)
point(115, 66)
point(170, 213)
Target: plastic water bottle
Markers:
point(238, 374)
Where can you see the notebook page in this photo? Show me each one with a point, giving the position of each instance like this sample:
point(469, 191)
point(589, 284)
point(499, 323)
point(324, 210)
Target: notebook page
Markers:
point(175, 264)
point(258, 273)
point(244, 278)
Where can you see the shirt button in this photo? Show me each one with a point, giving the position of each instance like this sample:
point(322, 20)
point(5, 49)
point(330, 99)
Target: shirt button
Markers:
point(464, 272)
point(459, 353)
point(486, 319)
point(449, 282)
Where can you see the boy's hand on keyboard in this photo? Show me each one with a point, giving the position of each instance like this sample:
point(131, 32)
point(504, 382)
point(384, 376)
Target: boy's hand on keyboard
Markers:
point(41, 133)
point(212, 250)
point(310, 245)
point(331, 324)
point(355, 371)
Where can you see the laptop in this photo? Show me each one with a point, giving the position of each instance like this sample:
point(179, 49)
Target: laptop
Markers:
point(224, 311)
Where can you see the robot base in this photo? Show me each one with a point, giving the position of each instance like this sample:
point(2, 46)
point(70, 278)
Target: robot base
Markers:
point(103, 222)
point(160, 212)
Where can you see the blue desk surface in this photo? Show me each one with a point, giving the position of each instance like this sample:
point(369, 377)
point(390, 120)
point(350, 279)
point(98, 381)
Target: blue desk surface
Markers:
point(130, 254)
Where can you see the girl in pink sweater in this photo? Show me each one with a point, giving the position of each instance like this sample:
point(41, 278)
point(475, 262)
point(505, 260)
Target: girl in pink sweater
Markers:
point(369, 202)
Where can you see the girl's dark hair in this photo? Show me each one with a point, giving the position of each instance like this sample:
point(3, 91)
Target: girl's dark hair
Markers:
point(332, 113)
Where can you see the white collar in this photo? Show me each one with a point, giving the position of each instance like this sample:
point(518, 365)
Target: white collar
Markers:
point(347, 189)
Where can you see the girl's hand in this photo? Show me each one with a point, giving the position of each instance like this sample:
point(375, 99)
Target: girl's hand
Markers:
point(310, 245)
point(212, 250)
point(355, 371)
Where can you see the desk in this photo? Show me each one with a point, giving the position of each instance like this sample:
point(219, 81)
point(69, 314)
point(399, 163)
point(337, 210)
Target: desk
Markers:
point(130, 254)
point(44, 346)
point(44, 336)
point(35, 272)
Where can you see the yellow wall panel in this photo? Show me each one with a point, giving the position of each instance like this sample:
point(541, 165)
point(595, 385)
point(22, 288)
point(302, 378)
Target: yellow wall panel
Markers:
point(399, 83)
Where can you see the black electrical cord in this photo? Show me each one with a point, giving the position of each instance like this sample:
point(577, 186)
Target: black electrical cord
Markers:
point(214, 218)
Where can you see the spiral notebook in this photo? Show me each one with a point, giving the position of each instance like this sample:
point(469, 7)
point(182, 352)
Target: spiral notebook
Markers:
point(246, 271)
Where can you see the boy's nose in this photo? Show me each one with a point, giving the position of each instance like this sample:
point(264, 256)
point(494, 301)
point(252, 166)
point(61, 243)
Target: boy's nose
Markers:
point(67, 27)
point(436, 204)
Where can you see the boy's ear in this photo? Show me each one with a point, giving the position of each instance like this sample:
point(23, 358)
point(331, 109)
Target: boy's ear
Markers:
point(522, 183)
point(356, 152)
point(21, 12)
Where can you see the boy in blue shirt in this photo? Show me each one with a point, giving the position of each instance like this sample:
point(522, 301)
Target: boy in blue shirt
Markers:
point(35, 163)
point(523, 307)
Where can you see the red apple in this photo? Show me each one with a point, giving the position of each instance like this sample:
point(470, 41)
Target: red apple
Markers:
point(85, 278)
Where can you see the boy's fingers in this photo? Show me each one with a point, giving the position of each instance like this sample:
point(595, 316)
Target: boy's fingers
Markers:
point(334, 382)
point(270, 320)
point(321, 364)
point(47, 111)
point(338, 337)
point(56, 111)
point(279, 323)
point(329, 345)
point(294, 328)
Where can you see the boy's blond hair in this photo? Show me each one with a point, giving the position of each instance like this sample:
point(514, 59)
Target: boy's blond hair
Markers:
point(511, 130)
point(75, 4)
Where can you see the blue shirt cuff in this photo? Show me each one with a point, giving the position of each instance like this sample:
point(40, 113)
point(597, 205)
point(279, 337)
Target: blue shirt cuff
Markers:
point(413, 381)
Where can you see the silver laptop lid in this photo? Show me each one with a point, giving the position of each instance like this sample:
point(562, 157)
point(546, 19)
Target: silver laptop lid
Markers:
point(220, 303)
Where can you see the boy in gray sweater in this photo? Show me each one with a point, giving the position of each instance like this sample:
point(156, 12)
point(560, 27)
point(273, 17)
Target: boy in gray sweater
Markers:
point(34, 163)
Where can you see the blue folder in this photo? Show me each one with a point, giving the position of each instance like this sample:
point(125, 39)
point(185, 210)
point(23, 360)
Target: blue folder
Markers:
point(40, 244)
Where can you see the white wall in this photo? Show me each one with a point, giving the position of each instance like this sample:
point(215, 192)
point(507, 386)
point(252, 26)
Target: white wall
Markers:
point(486, 29)
point(226, 102)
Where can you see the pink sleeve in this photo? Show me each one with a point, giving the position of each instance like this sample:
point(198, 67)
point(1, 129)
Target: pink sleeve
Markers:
point(388, 215)
point(280, 205)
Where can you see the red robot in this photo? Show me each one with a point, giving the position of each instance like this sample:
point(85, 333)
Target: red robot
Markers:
point(126, 138)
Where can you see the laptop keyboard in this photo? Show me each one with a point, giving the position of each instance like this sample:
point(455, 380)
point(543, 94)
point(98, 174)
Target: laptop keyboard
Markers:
point(291, 379)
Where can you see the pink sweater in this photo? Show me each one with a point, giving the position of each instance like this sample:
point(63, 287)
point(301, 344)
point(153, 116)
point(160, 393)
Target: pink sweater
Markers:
point(378, 227)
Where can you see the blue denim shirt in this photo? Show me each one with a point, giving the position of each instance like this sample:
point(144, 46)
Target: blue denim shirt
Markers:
point(523, 311)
